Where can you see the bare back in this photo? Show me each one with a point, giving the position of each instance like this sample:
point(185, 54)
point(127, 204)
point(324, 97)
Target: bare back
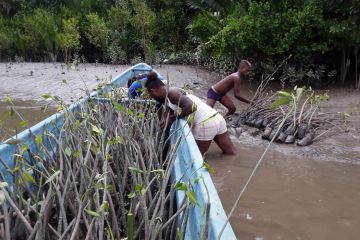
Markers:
point(226, 84)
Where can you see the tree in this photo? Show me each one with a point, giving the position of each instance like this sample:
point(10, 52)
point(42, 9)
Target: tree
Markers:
point(96, 31)
point(130, 28)
point(5, 36)
point(69, 37)
point(36, 33)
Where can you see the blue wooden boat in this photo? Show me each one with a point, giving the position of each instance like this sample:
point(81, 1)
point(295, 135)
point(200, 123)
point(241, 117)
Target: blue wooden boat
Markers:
point(186, 167)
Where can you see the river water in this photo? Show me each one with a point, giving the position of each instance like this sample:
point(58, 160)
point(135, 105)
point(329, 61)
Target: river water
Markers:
point(308, 192)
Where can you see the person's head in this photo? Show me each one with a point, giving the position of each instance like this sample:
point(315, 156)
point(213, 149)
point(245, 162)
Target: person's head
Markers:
point(134, 79)
point(244, 68)
point(155, 87)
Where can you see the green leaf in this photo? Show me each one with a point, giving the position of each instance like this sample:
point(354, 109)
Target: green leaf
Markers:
point(139, 187)
point(47, 96)
point(52, 177)
point(141, 115)
point(4, 184)
point(130, 112)
point(197, 179)
point(24, 148)
point(134, 169)
point(77, 123)
point(131, 195)
point(208, 167)
point(117, 140)
point(77, 153)
point(38, 139)
point(192, 197)
point(2, 197)
point(105, 207)
point(119, 107)
point(280, 101)
point(9, 99)
point(68, 151)
point(97, 130)
point(28, 177)
point(161, 172)
point(181, 186)
point(92, 213)
point(11, 111)
point(284, 94)
point(178, 232)
point(23, 124)
point(13, 170)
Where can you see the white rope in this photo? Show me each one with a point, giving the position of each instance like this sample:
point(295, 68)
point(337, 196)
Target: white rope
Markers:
point(252, 174)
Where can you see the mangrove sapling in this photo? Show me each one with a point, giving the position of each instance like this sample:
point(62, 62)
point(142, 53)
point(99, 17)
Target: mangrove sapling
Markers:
point(108, 158)
point(307, 120)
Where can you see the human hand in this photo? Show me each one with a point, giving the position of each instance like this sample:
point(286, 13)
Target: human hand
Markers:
point(166, 122)
point(163, 124)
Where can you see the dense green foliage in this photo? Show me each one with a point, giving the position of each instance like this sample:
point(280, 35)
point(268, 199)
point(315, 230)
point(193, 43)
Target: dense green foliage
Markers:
point(321, 36)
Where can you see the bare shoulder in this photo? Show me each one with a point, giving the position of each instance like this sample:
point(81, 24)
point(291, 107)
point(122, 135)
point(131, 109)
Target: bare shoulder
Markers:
point(174, 94)
point(234, 76)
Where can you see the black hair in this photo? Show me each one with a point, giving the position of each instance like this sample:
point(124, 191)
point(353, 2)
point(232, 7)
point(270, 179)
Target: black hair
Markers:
point(134, 79)
point(244, 63)
point(153, 81)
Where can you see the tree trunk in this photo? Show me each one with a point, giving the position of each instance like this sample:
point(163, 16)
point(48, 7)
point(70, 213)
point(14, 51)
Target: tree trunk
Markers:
point(345, 63)
point(357, 78)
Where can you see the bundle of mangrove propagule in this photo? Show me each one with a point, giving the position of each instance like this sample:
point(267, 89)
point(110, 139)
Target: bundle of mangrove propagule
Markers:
point(289, 116)
point(109, 179)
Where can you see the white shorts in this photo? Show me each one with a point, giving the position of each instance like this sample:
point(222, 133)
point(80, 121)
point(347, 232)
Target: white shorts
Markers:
point(208, 129)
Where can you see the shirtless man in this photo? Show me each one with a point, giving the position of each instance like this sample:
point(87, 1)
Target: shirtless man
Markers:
point(218, 91)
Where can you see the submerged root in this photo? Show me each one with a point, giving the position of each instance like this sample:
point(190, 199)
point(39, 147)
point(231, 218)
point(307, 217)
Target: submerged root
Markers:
point(267, 132)
point(307, 140)
point(281, 138)
point(290, 139)
point(302, 130)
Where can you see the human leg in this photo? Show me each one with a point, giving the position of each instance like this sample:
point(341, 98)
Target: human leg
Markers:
point(225, 144)
point(203, 146)
point(226, 101)
point(210, 102)
point(212, 97)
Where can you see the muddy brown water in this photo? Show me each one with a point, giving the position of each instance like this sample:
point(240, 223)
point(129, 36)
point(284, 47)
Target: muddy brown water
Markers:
point(308, 192)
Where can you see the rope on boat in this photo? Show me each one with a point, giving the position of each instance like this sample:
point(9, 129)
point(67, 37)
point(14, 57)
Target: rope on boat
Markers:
point(252, 174)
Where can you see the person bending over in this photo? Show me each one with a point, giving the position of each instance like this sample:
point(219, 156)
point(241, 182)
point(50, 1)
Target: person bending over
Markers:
point(136, 85)
point(218, 91)
point(206, 123)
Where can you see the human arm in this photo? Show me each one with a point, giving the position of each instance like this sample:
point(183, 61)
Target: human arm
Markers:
point(178, 98)
point(237, 83)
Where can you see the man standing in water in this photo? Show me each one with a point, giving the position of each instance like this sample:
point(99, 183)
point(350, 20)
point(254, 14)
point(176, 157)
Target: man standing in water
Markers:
point(218, 91)
point(205, 122)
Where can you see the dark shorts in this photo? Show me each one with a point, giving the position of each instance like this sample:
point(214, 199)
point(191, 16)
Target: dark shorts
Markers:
point(214, 95)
